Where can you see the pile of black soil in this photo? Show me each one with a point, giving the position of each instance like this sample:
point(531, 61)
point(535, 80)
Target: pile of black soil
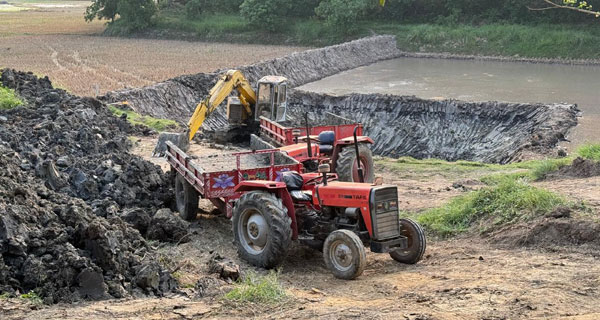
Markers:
point(580, 168)
point(67, 185)
point(557, 231)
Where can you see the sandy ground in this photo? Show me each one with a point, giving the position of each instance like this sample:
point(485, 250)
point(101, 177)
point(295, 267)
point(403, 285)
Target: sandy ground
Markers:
point(460, 279)
point(465, 278)
point(54, 40)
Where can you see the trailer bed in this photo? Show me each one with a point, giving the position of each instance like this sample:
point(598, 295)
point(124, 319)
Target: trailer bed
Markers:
point(215, 176)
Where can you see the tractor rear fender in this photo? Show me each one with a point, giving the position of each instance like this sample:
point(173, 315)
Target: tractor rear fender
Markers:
point(278, 188)
point(350, 140)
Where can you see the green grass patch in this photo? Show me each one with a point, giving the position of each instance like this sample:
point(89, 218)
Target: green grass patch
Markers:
point(32, 297)
point(508, 201)
point(544, 167)
point(8, 99)
point(258, 289)
point(422, 169)
point(150, 122)
point(589, 151)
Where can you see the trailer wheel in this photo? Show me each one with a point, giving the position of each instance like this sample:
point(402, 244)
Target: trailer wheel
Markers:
point(347, 167)
point(262, 229)
point(416, 243)
point(344, 254)
point(186, 198)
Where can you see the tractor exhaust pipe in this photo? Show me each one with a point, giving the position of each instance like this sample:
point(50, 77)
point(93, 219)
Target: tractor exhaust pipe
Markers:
point(308, 135)
point(361, 177)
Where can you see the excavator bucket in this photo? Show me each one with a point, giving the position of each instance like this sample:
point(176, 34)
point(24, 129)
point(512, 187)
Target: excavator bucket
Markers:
point(179, 139)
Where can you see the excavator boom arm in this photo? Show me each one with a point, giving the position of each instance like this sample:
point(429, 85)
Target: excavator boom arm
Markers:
point(233, 79)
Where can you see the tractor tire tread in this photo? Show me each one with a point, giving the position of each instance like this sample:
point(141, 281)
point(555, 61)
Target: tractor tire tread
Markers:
point(345, 162)
point(189, 208)
point(360, 260)
point(280, 225)
point(416, 255)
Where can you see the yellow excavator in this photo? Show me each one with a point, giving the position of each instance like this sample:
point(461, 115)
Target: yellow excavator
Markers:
point(269, 100)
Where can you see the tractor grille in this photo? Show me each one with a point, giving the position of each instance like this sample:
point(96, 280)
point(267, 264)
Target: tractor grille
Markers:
point(384, 213)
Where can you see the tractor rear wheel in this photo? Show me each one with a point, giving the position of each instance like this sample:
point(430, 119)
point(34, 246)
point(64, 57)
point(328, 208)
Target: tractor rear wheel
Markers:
point(416, 243)
point(262, 229)
point(347, 166)
point(344, 254)
point(186, 198)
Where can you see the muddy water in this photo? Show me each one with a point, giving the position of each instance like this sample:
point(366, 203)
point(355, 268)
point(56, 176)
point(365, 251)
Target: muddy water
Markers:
point(479, 81)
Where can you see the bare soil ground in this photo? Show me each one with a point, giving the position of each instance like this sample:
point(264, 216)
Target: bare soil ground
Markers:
point(465, 278)
point(54, 40)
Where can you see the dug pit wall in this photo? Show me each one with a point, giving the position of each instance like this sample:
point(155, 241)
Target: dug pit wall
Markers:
point(494, 132)
point(400, 125)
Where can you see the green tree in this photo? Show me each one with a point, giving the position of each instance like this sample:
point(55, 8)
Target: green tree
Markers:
point(136, 14)
point(343, 14)
point(102, 9)
point(132, 15)
point(265, 14)
point(576, 5)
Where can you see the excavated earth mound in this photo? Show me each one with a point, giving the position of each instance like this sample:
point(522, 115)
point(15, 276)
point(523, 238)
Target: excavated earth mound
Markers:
point(399, 125)
point(66, 186)
point(552, 232)
point(580, 168)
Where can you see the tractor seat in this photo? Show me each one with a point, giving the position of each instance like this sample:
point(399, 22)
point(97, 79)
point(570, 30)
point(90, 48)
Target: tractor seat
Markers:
point(292, 179)
point(294, 182)
point(326, 140)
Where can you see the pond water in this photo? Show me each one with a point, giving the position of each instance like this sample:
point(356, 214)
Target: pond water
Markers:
point(473, 80)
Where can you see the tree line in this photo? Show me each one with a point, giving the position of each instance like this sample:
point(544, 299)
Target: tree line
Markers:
point(269, 15)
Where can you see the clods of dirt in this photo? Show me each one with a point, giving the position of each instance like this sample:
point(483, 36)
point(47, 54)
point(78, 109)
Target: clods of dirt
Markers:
point(580, 168)
point(557, 230)
point(224, 267)
point(167, 226)
point(70, 193)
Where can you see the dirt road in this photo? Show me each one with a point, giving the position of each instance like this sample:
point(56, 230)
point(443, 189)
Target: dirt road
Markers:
point(460, 279)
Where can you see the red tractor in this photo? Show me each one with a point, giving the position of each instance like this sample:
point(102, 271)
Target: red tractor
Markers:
point(339, 218)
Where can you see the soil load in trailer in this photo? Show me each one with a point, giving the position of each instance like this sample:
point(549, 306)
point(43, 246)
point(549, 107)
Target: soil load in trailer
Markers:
point(214, 177)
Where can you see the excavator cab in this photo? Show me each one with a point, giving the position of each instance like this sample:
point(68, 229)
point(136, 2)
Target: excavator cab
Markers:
point(271, 98)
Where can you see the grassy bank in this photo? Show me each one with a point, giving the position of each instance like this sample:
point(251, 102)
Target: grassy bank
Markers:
point(507, 201)
point(508, 194)
point(547, 41)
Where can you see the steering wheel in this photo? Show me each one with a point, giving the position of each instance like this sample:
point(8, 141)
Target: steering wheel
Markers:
point(313, 181)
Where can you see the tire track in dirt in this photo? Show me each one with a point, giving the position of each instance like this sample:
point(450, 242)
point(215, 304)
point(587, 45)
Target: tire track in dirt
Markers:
point(98, 66)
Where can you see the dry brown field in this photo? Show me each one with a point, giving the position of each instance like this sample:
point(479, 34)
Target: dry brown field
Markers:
point(56, 41)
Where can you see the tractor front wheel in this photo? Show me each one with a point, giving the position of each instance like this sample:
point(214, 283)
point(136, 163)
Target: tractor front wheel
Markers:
point(262, 229)
point(344, 254)
point(186, 198)
point(416, 243)
point(347, 167)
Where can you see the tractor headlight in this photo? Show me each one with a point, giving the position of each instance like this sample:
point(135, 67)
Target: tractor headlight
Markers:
point(384, 206)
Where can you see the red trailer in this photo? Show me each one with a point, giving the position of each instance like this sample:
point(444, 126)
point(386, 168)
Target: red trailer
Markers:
point(215, 177)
